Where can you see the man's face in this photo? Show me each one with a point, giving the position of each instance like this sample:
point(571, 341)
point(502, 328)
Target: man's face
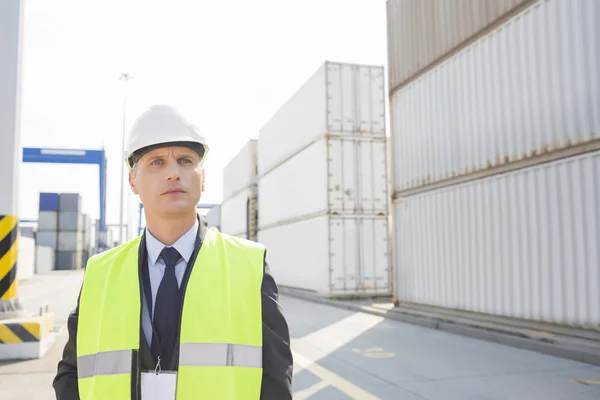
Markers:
point(169, 180)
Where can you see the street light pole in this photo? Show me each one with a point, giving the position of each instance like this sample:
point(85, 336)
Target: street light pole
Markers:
point(124, 77)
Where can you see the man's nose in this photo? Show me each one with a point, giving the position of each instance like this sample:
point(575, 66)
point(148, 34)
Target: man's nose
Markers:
point(172, 171)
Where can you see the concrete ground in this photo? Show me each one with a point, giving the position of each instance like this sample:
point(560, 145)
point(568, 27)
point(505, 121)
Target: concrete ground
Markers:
point(341, 354)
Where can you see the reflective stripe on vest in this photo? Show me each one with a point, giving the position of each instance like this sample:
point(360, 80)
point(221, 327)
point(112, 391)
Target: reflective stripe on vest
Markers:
point(106, 363)
point(220, 355)
point(221, 323)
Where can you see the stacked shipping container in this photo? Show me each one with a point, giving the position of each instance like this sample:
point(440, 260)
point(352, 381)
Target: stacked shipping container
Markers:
point(496, 183)
point(323, 184)
point(46, 238)
point(238, 210)
point(64, 229)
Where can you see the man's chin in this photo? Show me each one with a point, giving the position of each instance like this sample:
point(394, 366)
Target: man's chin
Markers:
point(177, 208)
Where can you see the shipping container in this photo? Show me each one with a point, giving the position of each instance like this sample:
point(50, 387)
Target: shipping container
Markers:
point(27, 231)
point(528, 89)
point(48, 221)
point(70, 221)
point(47, 238)
point(241, 170)
point(333, 175)
point(339, 98)
point(48, 202)
point(70, 202)
point(421, 32)
point(70, 241)
point(235, 212)
point(342, 256)
point(214, 217)
point(44, 259)
point(523, 244)
point(68, 260)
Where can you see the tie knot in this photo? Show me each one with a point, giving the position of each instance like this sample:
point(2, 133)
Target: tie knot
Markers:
point(170, 256)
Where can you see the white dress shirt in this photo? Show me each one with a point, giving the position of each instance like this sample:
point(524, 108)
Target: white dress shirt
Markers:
point(156, 267)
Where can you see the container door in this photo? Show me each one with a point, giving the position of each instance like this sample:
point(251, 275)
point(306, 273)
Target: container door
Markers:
point(359, 257)
point(375, 264)
point(371, 100)
point(342, 176)
point(342, 109)
point(343, 257)
point(372, 177)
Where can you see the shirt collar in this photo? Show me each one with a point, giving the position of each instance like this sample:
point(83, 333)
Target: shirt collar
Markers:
point(184, 245)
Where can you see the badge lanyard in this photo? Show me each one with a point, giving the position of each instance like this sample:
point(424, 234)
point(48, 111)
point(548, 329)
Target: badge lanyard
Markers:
point(148, 296)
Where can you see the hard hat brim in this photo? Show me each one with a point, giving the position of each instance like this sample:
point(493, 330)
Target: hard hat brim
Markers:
point(134, 157)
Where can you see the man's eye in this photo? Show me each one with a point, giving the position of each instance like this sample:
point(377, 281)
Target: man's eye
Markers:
point(185, 160)
point(157, 162)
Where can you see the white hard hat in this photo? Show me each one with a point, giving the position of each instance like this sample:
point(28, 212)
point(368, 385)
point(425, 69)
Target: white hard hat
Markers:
point(162, 126)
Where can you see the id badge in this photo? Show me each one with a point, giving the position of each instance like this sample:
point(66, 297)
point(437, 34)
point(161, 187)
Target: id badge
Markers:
point(159, 386)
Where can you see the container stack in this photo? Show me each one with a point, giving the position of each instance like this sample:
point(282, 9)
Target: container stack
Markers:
point(70, 232)
point(239, 208)
point(87, 239)
point(214, 216)
point(323, 195)
point(496, 139)
point(47, 232)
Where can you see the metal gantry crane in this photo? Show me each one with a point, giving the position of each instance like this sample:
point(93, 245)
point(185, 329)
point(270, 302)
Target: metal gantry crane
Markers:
point(76, 156)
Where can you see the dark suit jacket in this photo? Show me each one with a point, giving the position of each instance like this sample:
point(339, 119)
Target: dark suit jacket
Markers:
point(277, 355)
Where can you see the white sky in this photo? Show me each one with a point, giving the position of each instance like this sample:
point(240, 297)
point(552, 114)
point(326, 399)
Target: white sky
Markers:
point(227, 65)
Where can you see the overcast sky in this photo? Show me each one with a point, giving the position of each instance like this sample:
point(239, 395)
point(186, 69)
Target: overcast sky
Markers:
point(227, 65)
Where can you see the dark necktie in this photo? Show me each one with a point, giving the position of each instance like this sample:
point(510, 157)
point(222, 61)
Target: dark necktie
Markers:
point(166, 309)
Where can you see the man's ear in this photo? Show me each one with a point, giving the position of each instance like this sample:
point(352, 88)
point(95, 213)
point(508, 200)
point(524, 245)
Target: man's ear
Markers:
point(132, 182)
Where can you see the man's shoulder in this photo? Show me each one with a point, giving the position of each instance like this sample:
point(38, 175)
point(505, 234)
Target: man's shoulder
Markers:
point(110, 254)
point(238, 241)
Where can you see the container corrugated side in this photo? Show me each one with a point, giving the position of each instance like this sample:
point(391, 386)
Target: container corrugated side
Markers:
point(234, 214)
point(523, 244)
point(527, 90)
point(337, 255)
point(333, 175)
point(340, 98)
point(241, 171)
point(423, 31)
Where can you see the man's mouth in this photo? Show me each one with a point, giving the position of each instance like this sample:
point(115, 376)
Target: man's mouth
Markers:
point(174, 191)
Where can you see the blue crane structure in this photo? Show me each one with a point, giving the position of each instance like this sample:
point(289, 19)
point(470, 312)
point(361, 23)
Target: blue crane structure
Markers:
point(74, 156)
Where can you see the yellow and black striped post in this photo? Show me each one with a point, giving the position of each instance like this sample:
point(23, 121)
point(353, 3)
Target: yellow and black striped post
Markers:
point(9, 247)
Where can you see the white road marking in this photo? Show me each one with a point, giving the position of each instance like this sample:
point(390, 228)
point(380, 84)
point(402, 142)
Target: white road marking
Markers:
point(325, 341)
point(306, 393)
point(348, 388)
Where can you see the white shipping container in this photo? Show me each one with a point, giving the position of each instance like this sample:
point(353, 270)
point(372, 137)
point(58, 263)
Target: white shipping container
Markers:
point(241, 170)
point(527, 88)
point(523, 244)
point(48, 221)
point(214, 217)
point(341, 175)
point(420, 32)
point(70, 241)
point(331, 255)
point(234, 213)
point(339, 98)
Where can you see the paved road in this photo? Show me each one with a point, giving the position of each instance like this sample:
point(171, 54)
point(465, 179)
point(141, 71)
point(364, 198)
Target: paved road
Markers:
point(345, 355)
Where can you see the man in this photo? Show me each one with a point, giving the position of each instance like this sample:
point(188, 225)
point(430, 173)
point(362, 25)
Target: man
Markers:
point(183, 311)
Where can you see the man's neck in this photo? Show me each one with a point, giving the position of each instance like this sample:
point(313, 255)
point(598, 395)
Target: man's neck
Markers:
point(169, 230)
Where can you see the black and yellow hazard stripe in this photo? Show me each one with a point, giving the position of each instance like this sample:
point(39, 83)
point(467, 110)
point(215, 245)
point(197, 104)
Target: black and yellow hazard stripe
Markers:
point(19, 333)
point(9, 244)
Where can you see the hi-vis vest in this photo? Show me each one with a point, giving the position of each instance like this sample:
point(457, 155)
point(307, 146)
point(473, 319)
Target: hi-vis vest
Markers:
point(220, 353)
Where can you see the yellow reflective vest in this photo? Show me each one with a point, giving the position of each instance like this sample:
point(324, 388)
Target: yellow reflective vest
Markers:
point(220, 353)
